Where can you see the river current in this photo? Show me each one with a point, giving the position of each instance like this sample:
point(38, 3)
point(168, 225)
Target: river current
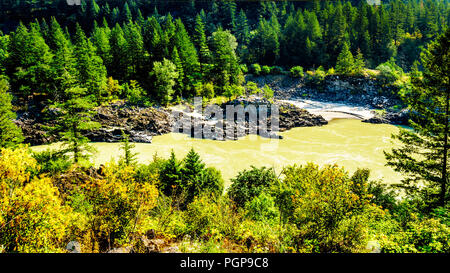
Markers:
point(349, 143)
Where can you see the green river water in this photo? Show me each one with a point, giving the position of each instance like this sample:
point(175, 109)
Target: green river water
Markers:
point(347, 142)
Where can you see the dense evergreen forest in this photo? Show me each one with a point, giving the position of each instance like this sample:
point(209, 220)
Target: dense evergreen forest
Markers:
point(47, 46)
point(69, 60)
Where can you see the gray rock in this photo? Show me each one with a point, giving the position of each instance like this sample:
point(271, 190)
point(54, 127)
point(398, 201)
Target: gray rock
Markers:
point(74, 247)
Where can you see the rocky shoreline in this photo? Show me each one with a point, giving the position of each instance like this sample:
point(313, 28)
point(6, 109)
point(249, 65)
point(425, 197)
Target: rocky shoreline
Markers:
point(352, 91)
point(142, 123)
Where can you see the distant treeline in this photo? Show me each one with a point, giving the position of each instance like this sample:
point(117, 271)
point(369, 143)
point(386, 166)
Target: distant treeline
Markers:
point(282, 33)
point(205, 41)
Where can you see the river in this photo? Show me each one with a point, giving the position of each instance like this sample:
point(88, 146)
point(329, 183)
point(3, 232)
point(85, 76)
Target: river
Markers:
point(347, 142)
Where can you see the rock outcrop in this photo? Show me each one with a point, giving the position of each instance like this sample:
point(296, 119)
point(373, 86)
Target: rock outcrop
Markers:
point(398, 118)
point(359, 91)
point(140, 123)
point(256, 119)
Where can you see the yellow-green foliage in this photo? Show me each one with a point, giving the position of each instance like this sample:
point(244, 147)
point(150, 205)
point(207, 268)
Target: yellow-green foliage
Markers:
point(427, 235)
point(32, 216)
point(211, 219)
point(330, 210)
point(118, 205)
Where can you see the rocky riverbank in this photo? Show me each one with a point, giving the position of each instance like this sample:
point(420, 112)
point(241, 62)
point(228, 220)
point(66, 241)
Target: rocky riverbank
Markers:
point(142, 123)
point(256, 119)
point(291, 96)
point(359, 92)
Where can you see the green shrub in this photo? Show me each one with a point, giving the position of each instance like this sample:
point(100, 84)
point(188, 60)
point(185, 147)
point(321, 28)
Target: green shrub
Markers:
point(52, 161)
point(244, 68)
point(133, 92)
point(252, 88)
point(262, 208)
point(315, 77)
point(250, 183)
point(212, 182)
point(276, 70)
point(189, 178)
point(419, 236)
point(255, 69)
point(211, 219)
point(267, 92)
point(265, 70)
point(331, 211)
point(389, 71)
point(143, 173)
point(297, 72)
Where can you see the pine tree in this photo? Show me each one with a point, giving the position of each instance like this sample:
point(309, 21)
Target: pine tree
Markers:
point(188, 55)
point(313, 32)
point(91, 71)
point(192, 166)
point(200, 42)
point(63, 64)
point(423, 158)
point(4, 41)
point(118, 68)
point(10, 134)
point(129, 158)
point(137, 55)
point(179, 86)
point(359, 63)
point(192, 171)
point(265, 46)
point(74, 119)
point(345, 63)
point(362, 37)
point(171, 176)
point(226, 68)
point(126, 15)
point(242, 33)
point(293, 39)
point(100, 40)
point(337, 34)
point(29, 52)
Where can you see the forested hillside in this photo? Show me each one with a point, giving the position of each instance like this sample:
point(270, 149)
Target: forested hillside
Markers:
point(65, 69)
point(46, 44)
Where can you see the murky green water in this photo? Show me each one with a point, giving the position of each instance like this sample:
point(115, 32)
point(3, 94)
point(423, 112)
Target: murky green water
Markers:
point(346, 142)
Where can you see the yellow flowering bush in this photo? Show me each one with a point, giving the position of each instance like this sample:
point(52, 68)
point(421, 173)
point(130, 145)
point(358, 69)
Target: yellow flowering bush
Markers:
point(117, 206)
point(32, 216)
point(330, 210)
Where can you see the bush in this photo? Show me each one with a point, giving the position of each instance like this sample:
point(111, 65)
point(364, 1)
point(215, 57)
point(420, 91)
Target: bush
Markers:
point(255, 69)
point(244, 68)
point(189, 178)
point(52, 161)
point(211, 219)
point(331, 211)
point(276, 70)
point(212, 182)
point(250, 183)
point(331, 71)
point(268, 92)
point(262, 208)
point(33, 217)
point(252, 88)
point(133, 92)
point(297, 72)
point(419, 236)
point(265, 70)
point(120, 206)
point(315, 77)
point(389, 72)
